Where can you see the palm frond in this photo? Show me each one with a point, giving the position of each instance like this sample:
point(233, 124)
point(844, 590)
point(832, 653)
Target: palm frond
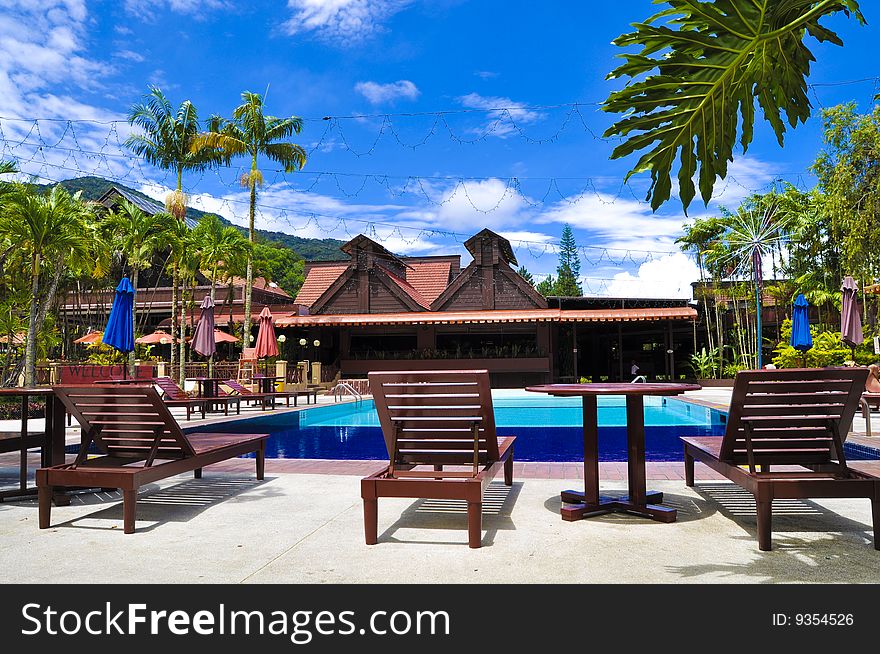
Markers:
point(713, 61)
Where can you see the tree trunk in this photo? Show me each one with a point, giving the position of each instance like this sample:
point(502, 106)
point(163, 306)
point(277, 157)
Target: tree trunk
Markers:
point(131, 355)
point(249, 284)
point(175, 281)
point(30, 352)
point(182, 374)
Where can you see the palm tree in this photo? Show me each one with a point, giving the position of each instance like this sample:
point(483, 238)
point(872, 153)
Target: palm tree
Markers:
point(138, 236)
point(252, 134)
point(48, 229)
point(753, 235)
point(166, 142)
point(177, 237)
point(219, 248)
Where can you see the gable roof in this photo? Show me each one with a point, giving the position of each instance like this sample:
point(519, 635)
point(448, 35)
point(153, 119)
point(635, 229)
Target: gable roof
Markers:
point(429, 278)
point(319, 277)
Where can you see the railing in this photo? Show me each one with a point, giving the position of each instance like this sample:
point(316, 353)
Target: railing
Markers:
point(639, 378)
point(344, 388)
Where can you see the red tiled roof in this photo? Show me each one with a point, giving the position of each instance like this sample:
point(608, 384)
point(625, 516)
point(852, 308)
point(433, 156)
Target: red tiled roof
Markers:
point(496, 316)
point(318, 280)
point(430, 278)
point(410, 290)
point(263, 284)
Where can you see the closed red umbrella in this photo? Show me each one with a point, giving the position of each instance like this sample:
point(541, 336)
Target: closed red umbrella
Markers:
point(267, 344)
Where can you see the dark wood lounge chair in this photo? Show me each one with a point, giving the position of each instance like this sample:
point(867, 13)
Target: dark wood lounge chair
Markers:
point(431, 420)
point(174, 395)
point(140, 442)
point(797, 419)
point(247, 394)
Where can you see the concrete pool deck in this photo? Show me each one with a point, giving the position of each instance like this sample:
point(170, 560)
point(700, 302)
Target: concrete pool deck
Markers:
point(303, 523)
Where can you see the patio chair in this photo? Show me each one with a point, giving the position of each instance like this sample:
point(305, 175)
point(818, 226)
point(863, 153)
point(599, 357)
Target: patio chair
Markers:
point(432, 420)
point(140, 442)
point(797, 419)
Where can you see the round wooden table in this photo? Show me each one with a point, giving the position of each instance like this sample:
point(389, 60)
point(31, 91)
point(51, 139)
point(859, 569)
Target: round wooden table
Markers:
point(640, 501)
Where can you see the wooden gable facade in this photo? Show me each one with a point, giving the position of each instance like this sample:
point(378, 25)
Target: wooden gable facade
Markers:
point(378, 281)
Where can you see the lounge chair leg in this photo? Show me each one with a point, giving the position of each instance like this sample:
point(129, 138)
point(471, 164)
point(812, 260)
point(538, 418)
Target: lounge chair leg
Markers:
point(129, 504)
point(371, 521)
point(475, 524)
point(44, 499)
point(688, 469)
point(438, 467)
point(261, 461)
point(875, 507)
point(197, 473)
point(765, 516)
point(508, 471)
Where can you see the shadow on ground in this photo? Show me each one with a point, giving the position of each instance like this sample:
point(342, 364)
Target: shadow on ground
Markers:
point(688, 508)
point(793, 558)
point(157, 506)
point(498, 503)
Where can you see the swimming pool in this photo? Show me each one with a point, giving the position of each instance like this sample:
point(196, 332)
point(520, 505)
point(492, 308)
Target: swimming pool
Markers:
point(547, 428)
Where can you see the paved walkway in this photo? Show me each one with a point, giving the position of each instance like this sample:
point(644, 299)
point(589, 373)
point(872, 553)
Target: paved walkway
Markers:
point(303, 523)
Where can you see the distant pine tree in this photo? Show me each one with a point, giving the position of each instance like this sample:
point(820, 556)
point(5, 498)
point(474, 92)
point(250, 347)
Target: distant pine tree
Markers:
point(546, 286)
point(569, 270)
point(526, 275)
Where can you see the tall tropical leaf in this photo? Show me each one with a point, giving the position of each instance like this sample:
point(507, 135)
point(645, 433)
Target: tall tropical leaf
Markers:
point(703, 65)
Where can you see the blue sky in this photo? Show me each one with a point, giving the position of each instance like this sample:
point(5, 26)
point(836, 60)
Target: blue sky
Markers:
point(418, 183)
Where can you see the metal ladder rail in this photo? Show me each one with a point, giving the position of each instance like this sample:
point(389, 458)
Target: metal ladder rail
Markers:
point(344, 388)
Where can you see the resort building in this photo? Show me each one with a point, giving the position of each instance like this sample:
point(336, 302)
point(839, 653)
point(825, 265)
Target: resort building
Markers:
point(375, 310)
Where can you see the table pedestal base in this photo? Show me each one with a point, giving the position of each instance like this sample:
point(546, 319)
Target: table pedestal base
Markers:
point(651, 508)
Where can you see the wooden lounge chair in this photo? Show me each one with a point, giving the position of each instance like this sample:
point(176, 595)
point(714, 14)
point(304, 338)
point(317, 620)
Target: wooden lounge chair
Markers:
point(253, 396)
point(436, 419)
point(140, 442)
point(792, 418)
point(174, 395)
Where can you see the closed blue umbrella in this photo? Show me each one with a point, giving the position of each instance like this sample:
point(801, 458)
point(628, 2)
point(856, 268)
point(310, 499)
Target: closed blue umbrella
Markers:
point(119, 332)
point(801, 338)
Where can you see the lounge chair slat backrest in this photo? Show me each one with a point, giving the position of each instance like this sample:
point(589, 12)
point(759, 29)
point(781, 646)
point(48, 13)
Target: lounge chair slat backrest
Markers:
point(794, 416)
point(125, 421)
point(431, 416)
point(238, 388)
point(171, 389)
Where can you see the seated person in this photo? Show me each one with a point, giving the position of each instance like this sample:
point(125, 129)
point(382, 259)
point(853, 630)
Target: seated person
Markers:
point(872, 385)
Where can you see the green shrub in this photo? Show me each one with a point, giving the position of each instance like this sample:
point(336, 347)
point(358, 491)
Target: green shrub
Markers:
point(827, 350)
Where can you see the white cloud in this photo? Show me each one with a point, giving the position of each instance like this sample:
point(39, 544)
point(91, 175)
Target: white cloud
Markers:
point(377, 93)
point(616, 222)
point(130, 55)
point(471, 205)
point(745, 176)
point(198, 9)
point(665, 277)
point(503, 114)
point(341, 21)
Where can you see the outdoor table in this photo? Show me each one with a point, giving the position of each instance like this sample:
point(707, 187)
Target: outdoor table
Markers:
point(51, 444)
point(267, 384)
point(267, 387)
point(208, 386)
point(640, 501)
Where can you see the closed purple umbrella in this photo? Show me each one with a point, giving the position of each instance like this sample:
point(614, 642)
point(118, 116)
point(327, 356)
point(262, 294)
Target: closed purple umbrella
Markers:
point(850, 320)
point(203, 338)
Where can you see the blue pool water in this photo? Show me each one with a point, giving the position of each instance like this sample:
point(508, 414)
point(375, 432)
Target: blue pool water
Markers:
point(547, 429)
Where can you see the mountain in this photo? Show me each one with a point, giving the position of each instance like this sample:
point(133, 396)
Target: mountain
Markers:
point(310, 249)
